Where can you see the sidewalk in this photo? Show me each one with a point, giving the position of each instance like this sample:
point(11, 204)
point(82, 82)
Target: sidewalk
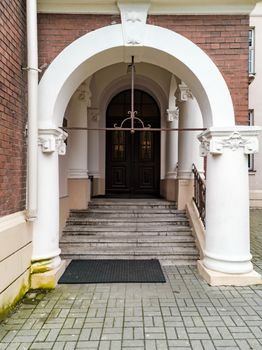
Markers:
point(184, 313)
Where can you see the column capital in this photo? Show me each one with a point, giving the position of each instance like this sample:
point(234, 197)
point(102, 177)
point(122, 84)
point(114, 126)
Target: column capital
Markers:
point(52, 140)
point(172, 114)
point(216, 140)
point(184, 93)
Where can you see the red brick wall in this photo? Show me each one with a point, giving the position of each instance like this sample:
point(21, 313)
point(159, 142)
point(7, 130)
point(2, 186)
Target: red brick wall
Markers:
point(12, 107)
point(55, 32)
point(223, 38)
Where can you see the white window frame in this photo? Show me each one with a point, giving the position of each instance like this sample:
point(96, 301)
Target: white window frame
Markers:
point(251, 158)
point(251, 51)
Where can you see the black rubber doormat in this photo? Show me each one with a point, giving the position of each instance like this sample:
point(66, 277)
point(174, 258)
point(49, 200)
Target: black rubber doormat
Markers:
point(113, 271)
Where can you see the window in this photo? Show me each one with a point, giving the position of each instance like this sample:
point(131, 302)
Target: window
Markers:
point(251, 166)
point(251, 56)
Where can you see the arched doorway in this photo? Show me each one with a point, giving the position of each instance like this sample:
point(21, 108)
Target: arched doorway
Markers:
point(133, 159)
point(225, 144)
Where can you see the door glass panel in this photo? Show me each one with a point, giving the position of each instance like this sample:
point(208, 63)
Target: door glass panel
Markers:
point(118, 143)
point(145, 146)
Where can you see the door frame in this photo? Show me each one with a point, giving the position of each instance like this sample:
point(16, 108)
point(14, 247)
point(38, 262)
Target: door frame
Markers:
point(133, 187)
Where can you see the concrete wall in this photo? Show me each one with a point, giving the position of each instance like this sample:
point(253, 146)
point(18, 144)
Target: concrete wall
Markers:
point(15, 259)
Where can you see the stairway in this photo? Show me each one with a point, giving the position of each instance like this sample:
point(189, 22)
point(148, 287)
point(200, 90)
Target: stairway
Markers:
point(129, 229)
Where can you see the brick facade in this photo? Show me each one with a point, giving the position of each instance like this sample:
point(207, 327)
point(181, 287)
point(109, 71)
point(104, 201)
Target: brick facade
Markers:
point(55, 32)
point(12, 107)
point(224, 38)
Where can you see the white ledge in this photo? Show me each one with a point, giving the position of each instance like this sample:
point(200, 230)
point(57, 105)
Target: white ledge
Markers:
point(161, 7)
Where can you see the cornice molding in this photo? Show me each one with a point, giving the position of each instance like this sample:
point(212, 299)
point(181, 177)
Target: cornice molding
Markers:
point(215, 140)
point(161, 7)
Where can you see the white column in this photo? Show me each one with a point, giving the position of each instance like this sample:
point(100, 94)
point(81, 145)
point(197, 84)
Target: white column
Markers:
point(78, 180)
point(227, 247)
point(94, 150)
point(172, 144)
point(188, 145)
point(46, 250)
point(78, 139)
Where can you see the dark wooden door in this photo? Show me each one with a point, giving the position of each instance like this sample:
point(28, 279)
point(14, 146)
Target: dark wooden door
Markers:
point(133, 160)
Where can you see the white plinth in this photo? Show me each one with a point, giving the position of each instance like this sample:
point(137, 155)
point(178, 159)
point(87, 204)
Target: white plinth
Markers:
point(215, 278)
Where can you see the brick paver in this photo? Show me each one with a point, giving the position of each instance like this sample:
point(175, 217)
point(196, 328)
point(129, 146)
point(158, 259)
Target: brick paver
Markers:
point(184, 313)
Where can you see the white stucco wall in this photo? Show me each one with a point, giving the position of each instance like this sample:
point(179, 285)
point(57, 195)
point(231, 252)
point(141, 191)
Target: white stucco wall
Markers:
point(255, 97)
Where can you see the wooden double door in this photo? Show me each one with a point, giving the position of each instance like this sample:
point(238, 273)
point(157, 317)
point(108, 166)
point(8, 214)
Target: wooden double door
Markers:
point(133, 159)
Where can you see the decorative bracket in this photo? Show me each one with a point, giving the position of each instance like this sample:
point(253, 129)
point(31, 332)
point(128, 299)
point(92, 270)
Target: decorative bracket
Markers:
point(172, 114)
point(93, 114)
point(84, 93)
point(185, 92)
point(52, 140)
point(133, 19)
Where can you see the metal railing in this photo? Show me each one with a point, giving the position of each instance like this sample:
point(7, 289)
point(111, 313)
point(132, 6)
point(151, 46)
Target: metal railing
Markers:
point(199, 193)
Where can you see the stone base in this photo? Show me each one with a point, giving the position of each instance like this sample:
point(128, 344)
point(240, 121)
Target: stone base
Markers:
point(255, 199)
point(215, 278)
point(185, 192)
point(49, 279)
point(79, 193)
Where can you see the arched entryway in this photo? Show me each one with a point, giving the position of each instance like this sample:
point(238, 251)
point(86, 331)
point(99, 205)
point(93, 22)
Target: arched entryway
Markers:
point(225, 145)
point(133, 159)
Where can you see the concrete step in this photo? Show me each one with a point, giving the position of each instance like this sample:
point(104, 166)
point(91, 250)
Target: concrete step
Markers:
point(127, 219)
point(164, 261)
point(131, 201)
point(131, 239)
point(81, 249)
point(130, 229)
point(133, 205)
point(124, 213)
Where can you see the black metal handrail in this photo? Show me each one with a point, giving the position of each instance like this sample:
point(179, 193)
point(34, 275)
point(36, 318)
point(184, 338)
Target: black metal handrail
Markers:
point(199, 193)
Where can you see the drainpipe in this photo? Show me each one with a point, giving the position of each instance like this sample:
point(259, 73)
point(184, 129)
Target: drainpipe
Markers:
point(32, 74)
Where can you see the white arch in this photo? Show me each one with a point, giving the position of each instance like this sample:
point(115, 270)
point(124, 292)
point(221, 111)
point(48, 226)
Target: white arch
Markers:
point(162, 47)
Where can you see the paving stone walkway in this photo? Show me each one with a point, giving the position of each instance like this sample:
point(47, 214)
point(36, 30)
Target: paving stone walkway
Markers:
point(184, 313)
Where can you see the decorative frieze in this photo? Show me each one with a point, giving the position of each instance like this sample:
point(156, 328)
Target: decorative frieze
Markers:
point(52, 140)
point(172, 114)
point(215, 141)
point(133, 19)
